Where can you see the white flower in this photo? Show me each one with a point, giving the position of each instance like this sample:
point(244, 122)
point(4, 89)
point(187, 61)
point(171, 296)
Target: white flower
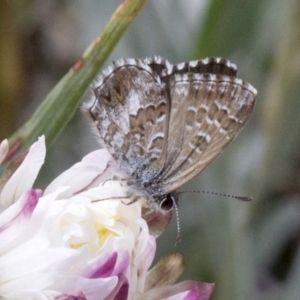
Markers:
point(63, 244)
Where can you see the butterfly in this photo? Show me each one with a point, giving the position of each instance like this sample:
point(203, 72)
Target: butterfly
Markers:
point(164, 124)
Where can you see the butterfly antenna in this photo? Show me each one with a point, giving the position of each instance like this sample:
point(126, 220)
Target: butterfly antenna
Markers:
point(178, 237)
point(242, 198)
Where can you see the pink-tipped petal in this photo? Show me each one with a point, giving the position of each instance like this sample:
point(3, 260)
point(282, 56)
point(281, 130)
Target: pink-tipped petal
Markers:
point(20, 210)
point(94, 288)
point(196, 291)
point(105, 266)
point(186, 290)
point(120, 292)
point(109, 264)
point(122, 264)
point(24, 177)
point(31, 202)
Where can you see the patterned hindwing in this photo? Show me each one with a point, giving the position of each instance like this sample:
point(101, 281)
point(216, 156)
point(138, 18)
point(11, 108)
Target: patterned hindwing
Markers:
point(131, 112)
point(207, 112)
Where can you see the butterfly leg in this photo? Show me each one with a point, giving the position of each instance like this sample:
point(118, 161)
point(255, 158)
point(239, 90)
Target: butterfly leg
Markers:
point(135, 199)
point(115, 178)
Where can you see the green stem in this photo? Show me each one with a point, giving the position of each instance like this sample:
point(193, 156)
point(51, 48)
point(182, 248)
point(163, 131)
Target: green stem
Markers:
point(62, 102)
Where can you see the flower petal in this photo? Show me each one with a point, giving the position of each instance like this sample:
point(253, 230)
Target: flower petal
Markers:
point(157, 220)
point(76, 295)
point(94, 168)
point(14, 219)
point(24, 177)
point(165, 272)
point(144, 253)
point(186, 290)
point(20, 209)
point(121, 290)
point(3, 150)
point(108, 264)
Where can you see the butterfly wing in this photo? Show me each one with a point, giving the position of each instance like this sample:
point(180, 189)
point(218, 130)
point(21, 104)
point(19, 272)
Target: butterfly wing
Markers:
point(131, 113)
point(207, 112)
point(164, 124)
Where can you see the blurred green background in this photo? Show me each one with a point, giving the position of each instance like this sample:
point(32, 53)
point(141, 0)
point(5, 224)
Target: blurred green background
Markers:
point(250, 250)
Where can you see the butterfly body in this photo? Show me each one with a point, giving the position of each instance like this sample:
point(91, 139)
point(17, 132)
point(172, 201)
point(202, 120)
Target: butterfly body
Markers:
point(163, 123)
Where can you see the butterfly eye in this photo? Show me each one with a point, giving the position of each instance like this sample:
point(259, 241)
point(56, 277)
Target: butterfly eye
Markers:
point(168, 202)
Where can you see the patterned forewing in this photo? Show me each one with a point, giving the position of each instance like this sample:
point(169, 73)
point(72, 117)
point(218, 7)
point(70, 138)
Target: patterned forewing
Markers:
point(214, 109)
point(131, 113)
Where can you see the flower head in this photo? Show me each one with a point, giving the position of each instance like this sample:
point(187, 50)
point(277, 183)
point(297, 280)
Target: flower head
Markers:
point(67, 243)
